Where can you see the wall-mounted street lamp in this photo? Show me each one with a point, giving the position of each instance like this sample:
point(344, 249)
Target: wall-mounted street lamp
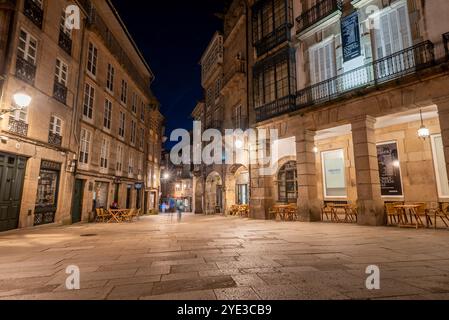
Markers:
point(423, 132)
point(21, 99)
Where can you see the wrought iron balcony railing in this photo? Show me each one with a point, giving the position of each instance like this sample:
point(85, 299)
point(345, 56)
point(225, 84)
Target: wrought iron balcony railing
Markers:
point(238, 67)
point(318, 12)
point(276, 108)
point(272, 40)
point(25, 70)
point(65, 42)
point(60, 92)
point(18, 127)
point(54, 139)
point(380, 71)
point(34, 12)
point(446, 44)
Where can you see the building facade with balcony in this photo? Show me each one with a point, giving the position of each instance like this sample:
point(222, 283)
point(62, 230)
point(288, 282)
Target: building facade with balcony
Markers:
point(120, 129)
point(37, 144)
point(61, 156)
point(348, 93)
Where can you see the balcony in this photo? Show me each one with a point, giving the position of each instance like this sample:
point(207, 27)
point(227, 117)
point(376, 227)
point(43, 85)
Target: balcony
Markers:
point(34, 12)
point(390, 68)
point(54, 139)
point(237, 69)
point(276, 108)
point(25, 70)
point(446, 44)
point(18, 127)
point(65, 42)
point(318, 12)
point(272, 40)
point(60, 92)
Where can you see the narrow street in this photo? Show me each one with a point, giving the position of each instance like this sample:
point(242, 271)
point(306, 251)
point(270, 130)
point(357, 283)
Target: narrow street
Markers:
point(213, 257)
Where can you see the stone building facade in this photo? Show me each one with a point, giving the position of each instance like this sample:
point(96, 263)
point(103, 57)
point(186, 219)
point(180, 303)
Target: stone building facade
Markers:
point(348, 85)
point(59, 155)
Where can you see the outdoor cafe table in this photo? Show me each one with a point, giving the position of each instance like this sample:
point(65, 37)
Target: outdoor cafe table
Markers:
point(283, 212)
point(116, 214)
point(410, 210)
point(341, 207)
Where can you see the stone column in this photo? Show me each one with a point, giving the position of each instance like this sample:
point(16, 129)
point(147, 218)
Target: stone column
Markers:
point(369, 203)
point(309, 205)
point(443, 115)
point(260, 193)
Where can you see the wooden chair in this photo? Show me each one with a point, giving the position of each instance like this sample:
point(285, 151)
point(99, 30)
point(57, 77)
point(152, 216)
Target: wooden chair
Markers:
point(234, 210)
point(442, 214)
point(393, 216)
point(102, 215)
point(243, 211)
point(292, 212)
point(272, 213)
point(351, 213)
point(326, 211)
point(423, 212)
point(128, 216)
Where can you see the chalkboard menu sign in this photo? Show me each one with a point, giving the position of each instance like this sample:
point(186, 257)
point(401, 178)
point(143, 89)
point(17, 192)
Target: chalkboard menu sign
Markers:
point(350, 34)
point(389, 169)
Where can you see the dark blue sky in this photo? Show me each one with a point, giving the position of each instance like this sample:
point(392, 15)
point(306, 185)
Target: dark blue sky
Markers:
point(172, 35)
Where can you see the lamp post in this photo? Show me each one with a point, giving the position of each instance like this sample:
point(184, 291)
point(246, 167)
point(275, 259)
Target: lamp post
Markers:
point(21, 99)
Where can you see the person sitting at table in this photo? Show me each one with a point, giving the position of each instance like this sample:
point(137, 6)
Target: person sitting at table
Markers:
point(114, 206)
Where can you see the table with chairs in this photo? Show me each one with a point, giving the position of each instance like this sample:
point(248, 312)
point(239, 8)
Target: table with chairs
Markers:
point(117, 215)
point(417, 215)
point(241, 210)
point(284, 212)
point(339, 213)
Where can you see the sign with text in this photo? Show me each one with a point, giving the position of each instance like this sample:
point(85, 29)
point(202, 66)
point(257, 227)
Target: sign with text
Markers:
point(350, 35)
point(389, 169)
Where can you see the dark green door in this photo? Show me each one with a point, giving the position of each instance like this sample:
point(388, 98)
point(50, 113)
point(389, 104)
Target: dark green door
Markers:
point(12, 175)
point(77, 201)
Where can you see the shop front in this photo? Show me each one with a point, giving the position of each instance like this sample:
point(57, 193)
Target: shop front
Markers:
point(47, 193)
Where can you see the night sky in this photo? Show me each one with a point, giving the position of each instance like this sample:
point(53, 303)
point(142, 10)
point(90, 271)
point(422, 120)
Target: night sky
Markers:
point(172, 36)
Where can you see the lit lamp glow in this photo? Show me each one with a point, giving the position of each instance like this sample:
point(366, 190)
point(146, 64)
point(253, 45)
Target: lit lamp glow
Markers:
point(423, 132)
point(315, 149)
point(239, 144)
point(22, 100)
point(166, 176)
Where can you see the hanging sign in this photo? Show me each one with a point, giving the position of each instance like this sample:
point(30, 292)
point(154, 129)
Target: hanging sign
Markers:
point(350, 35)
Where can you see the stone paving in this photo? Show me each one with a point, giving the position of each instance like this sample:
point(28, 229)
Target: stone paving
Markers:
point(208, 257)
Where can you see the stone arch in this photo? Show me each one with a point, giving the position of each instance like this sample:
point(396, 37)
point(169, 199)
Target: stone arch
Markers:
point(281, 183)
point(214, 193)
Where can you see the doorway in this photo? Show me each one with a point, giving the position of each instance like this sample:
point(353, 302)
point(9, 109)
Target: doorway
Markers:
point(128, 196)
point(77, 201)
point(12, 176)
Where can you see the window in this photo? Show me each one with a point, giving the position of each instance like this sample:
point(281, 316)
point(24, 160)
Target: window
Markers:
point(104, 155)
point(272, 20)
point(85, 141)
point(92, 59)
point(393, 34)
point(20, 115)
point(322, 61)
point(440, 166)
point(140, 166)
point(89, 98)
point(27, 47)
point(61, 72)
point(134, 103)
point(142, 111)
point(142, 138)
point(119, 163)
point(217, 89)
point(107, 114)
point(131, 165)
point(110, 78)
point(238, 123)
point(133, 131)
point(288, 183)
point(56, 126)
point(334, 174)
point(121, 127)
point(124, 95)
point(274, 78)
point(63, 26)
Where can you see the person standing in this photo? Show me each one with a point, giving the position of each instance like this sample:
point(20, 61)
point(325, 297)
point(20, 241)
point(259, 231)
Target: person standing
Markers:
point(179, 209)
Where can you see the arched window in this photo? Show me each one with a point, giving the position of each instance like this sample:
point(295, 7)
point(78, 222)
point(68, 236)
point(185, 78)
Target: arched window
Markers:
point(288, 183)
